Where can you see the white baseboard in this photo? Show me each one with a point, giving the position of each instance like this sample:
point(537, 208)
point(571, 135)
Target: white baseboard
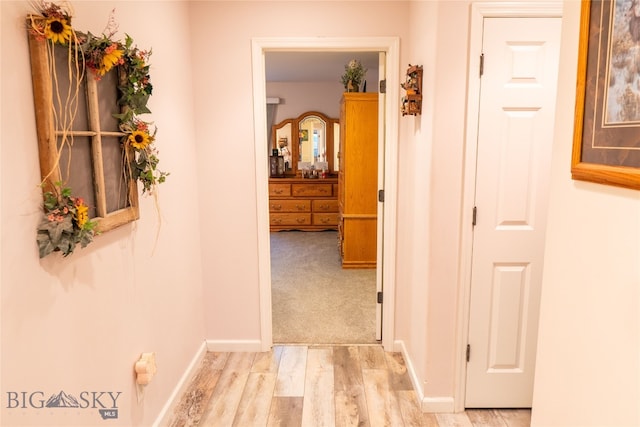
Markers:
point(427, 404)
point(167, 410)
point(438, 404)
point(398, 345)
point(234, 345)
point(165, 414)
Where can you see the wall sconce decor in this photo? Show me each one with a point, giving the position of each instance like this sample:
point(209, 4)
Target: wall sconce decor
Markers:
point(412, 101)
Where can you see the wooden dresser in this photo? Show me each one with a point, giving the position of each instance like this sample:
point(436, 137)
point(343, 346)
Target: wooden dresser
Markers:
point(303, 204)
point(358, 180)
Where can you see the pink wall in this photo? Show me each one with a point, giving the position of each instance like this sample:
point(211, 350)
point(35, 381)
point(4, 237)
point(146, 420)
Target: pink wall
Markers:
point(80, 323)
point(224, 96)
point(299, 97)
point(588, 365)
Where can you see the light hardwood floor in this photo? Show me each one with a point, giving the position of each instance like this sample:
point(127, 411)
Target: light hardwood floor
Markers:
point(311, 386)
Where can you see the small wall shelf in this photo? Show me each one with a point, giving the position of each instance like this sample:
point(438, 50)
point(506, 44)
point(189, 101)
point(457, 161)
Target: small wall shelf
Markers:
point(412, 101)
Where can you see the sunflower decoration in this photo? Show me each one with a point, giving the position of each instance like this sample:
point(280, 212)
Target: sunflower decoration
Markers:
point(112, 56)
point(57, 30)
point(53, 23)
point(82, 212)
point(139, 139)
point(143, 163)
point(100, 53)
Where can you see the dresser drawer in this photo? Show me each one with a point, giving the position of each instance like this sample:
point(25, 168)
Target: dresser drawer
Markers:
point(311, 190)
point(279, 190)
point(276, 205)
point(325, 205)
point(289, 219)
point(325, 219)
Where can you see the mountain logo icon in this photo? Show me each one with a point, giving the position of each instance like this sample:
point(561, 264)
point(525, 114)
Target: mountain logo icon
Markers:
point(62, 400)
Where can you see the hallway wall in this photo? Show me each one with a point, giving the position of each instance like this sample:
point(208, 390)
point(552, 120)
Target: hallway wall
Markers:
point(80, 323)
point(588, 365)
point(224, 123)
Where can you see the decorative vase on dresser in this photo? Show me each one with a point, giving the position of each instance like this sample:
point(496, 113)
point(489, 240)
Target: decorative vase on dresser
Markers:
point(358, 179)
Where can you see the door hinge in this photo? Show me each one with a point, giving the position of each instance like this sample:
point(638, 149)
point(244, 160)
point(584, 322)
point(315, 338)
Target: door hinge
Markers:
point(381, 195)
point(383, 86)
point(379, 297)
point(468, 355)
point(481, 64)
point(475, 216)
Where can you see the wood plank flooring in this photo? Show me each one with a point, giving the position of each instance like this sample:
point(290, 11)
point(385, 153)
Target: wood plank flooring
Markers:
point(309, 386)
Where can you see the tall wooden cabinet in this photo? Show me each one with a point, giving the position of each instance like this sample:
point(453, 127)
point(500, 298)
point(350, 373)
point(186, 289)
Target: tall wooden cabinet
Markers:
point(358, 179)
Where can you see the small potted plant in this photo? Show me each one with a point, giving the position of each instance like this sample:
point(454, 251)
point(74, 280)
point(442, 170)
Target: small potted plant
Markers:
point(354, 72)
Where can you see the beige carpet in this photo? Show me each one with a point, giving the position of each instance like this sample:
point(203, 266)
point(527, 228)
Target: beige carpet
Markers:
point(314, 300)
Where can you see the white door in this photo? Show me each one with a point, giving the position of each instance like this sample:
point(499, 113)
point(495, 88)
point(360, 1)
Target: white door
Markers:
point(382, 75)
point(515, 133)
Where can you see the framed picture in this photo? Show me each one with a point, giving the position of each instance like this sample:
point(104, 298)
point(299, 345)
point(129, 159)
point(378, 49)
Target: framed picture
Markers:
point(606, 141)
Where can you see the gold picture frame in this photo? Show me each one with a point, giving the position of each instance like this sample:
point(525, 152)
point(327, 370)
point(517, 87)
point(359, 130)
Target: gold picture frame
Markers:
point(606, 140)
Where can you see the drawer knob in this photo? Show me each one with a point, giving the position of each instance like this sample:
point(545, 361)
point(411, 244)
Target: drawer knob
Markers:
point(276, 207)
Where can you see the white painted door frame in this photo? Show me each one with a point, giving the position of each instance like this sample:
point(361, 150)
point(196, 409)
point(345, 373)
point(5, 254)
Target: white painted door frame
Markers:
point(389, 45)
point(479, 11)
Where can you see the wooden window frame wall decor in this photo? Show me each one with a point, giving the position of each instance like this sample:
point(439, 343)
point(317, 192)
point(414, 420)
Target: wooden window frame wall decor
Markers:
point(49, 140)
point(606, 150)
point(90, 94)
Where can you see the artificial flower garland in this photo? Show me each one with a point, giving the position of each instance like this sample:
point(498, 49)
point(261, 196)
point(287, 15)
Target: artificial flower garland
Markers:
point(100, 55)
point(65, 223)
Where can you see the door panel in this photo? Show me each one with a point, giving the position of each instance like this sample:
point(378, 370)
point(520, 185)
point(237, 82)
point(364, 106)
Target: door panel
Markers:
point(515, 132)
point(382, 73)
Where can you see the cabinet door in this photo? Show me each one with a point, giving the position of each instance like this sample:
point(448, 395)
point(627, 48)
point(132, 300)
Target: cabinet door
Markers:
point(359, 153)
point(359, 242)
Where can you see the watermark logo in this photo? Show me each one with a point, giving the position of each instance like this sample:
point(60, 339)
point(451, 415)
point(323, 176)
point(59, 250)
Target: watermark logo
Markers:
point(62, 400)
point(106, 402)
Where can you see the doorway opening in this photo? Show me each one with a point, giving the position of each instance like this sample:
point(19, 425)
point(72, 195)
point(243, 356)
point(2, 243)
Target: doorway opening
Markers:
point(386, 227)
point(315, 299)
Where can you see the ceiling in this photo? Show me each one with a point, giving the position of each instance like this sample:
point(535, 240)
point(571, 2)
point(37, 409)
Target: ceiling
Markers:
point(315, 66)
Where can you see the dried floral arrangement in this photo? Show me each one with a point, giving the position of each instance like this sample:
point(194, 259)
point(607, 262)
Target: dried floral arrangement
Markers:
point(354, 72)
point(65, 223)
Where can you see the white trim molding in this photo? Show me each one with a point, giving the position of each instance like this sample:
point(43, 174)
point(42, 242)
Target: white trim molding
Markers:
point(234, 346)
point(479, 11)
point(165, 414)
point(442, 405)
point(389, 45)
point(427, 403)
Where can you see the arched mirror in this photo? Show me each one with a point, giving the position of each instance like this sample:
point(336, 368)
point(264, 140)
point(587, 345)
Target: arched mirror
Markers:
point(308, 142)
